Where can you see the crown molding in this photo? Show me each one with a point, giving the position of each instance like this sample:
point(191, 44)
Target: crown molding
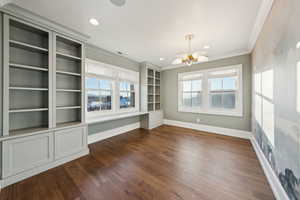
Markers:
point(4, 2)
point(261, 18)
point(16, 11)
point(230, 55)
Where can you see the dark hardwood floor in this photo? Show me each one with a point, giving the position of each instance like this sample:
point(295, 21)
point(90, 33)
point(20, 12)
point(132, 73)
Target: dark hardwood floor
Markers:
point(165, 163)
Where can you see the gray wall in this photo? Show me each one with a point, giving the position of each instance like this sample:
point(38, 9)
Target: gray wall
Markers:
point(170, 100)
point(101, 55)
point(276, 48)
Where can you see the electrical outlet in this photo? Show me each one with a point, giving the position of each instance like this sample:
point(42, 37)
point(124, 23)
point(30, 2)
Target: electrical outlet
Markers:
point(198, 120)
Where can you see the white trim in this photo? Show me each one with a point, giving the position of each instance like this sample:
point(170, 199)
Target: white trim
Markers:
point(4, 2)
point(261, 18)
point(21, 176)
point(210, 129)
point(230, 55)
point(272, 178)
point(112, 132)
point(94, 120)
point(205, 91)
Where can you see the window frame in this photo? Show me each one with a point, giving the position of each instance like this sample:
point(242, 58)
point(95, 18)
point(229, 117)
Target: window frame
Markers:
point(205, 103)
point(116, 76)
point(100, 112)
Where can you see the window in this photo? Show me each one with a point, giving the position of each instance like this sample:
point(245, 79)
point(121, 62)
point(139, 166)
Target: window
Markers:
point(216, 91)
point(264, 103)
point(110, 89)
point(127, 95)
point(223, 89)
point(99, 94)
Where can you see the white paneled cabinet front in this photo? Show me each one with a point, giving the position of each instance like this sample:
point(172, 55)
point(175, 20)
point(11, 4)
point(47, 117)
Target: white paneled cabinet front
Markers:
point(70, 141)
point(27, 153)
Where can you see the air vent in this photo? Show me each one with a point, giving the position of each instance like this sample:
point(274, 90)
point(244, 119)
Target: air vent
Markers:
point(118, 2)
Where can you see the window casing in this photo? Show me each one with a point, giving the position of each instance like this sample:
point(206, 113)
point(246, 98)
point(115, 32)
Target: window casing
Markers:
point(110, 90)
point(215, 91)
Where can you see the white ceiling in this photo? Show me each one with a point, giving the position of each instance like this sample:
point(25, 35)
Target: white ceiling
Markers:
point(148, 30)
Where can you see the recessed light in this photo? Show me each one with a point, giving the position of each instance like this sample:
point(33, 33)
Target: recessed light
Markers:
point(161, 59)
point(206, 47)
point(94, 22)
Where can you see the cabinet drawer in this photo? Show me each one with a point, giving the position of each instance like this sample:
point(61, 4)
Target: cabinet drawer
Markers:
point(70, 141)
point(26, 153)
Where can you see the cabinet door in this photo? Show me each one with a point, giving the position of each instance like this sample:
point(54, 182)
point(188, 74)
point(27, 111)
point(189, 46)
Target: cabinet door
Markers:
point(70, 141)
point(26, 153)
point(155, 119)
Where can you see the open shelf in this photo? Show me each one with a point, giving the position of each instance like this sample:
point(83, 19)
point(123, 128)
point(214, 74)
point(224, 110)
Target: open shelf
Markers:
point(67, 90)
point(18, 44)
point(26, 131)
point(67, 107)
point(28, 88)
point(68, 124)
point(67, 56)
point(28, 67)
point(28, 110)
point(68, 73)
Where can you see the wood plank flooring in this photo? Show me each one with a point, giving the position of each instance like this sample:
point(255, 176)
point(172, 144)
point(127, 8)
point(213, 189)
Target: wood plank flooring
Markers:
point(167, 163)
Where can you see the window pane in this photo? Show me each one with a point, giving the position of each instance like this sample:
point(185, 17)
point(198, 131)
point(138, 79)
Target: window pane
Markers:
point(186, 86)
point(93, 101)
point(187, 99)
point(124, 86)
point(216, 100)
point(267, 83)
point(105, 100)
point(229, 100)
point(196, 85)
point(124, 100)
point(131, 87)
point(229, 83)
point(196, 99)
point(92, 83)
point(215, 84)
point(105, 84)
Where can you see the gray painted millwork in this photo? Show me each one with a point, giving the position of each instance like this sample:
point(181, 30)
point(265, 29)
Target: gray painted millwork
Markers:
point(42, 126)
point(170, 95)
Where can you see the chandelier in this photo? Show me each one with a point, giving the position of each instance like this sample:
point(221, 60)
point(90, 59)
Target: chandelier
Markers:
point(190, 58)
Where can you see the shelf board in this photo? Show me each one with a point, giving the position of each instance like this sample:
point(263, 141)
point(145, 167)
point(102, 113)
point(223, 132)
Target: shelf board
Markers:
point(67, 56)
point(26, 46)
point(25, 131)
point(67, 90)
point(67, 107)
point(27, 110)
point(28, 88)
point(68, 73)
point(67, 124)
point(150, 102)
point(27, 67)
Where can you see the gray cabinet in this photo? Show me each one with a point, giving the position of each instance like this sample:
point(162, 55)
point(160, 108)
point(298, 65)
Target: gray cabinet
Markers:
point(43, 103)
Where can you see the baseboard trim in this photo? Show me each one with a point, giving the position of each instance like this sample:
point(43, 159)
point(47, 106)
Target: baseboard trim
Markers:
point(21, 176)
point(112, 132)
point(210, 129)
point(272, 178)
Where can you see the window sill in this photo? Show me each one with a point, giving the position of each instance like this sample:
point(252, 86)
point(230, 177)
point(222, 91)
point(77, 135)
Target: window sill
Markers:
point(212, 112)
point(99, 119)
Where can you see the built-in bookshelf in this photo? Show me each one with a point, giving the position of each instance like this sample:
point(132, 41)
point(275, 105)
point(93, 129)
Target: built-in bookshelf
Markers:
point(36, 96)
point(26, 77)
point(43, 101)
point(153, 85)
point(69, 96)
